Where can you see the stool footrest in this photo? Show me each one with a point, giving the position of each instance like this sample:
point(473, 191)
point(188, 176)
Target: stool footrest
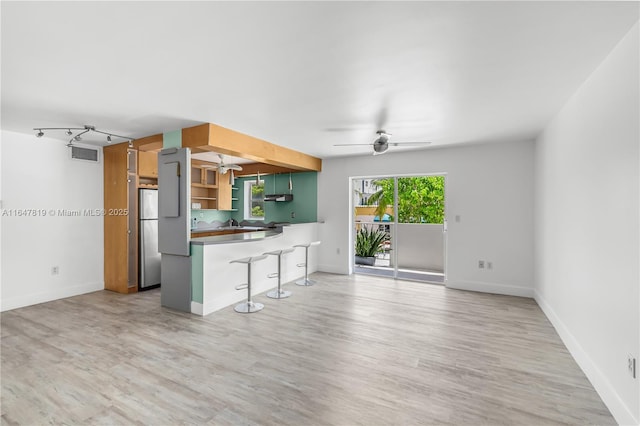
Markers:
point(242, 286)
point(273, 275)
point(301, 265)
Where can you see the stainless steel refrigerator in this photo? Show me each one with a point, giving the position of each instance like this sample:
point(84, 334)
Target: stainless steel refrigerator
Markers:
point(149, 255)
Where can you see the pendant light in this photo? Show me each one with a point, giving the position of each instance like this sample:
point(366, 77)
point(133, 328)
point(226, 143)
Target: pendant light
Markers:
point(258, 178)
point(232, 178)
point(290, 183)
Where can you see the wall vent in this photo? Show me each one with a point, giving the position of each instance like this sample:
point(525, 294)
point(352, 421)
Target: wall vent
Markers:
point(85, 154)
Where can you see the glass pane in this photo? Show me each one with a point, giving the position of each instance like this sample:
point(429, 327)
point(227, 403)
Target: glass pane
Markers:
point(421, 199)
point(257, 200)
point(419, 236)
point(374, 215)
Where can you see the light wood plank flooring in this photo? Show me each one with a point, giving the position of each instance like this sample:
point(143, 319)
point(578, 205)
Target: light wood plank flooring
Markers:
point(351, 350)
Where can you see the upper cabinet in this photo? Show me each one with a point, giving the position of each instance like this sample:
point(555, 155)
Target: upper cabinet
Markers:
point(224, 193)
point(148, 164)
point(204, 186)
point(209, 189)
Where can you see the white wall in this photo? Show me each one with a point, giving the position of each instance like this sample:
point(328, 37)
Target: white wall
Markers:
point(489, 186)
point(587, 214)
point(37, 173)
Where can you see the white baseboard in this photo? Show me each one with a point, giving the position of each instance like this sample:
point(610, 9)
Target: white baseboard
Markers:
point(48, 296)
point(197, 308)
point(612, 400)
point(494, 288)
point(332, 269)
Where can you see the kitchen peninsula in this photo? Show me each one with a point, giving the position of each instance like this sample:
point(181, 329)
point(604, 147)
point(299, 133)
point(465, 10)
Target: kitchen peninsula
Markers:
point(214, 279)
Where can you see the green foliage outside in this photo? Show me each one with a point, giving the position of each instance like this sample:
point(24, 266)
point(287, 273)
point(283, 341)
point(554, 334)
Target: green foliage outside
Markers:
point(257, 211)
point(369, 242)
point(257, 190)
point(421, 199)
point(257, 200)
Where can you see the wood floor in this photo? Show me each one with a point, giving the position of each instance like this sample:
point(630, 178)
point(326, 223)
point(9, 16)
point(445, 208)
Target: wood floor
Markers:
point(351, 350)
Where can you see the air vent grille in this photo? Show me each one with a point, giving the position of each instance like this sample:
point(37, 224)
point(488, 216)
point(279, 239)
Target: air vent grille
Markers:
point(86, 154)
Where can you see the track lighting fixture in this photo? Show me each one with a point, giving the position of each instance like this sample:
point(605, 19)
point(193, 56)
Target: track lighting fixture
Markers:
point(81, 131)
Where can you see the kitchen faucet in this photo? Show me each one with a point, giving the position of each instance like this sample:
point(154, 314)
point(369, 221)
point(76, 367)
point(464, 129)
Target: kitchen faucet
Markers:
point(230, 223)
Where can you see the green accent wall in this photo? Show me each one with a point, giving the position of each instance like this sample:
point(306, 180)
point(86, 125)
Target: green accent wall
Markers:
point(304, 204)
point(211, 215)
point(172, 139)
point(197, 273)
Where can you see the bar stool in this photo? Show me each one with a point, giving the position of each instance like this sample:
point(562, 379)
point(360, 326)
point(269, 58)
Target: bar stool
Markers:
point(306, 281)
point(279, 293)
point(248, 307)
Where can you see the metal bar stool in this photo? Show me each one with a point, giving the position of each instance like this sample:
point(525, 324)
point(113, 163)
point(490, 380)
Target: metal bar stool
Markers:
point(249, 306)
point(306, 281)
point(279, 293)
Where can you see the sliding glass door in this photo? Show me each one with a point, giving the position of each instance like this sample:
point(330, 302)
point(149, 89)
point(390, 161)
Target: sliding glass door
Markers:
point(400, 221)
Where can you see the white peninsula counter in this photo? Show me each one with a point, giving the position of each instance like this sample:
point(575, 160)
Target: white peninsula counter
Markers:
point(213, 278)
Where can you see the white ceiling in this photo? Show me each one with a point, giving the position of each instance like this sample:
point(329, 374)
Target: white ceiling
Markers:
point(305, 75)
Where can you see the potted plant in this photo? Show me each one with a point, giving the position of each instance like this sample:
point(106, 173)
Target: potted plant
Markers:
point(368, 244)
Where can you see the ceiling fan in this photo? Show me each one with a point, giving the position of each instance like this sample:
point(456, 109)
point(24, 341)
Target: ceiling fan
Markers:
point(224, 168)
point(382, 143)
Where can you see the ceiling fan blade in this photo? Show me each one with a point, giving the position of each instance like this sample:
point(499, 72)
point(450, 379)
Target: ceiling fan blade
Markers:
point(408, 143)
point(383, 115)
point(352, 144)
point(345, 129)
point(233, 167)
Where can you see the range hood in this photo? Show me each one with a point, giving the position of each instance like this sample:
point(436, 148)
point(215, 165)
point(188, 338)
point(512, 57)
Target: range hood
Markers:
point(278, 197)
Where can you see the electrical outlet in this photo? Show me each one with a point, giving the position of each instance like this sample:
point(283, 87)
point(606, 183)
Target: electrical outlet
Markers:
point(489, 265)
point(55, 270)
point(631, 365)
point(293, 215)
point(481, 264)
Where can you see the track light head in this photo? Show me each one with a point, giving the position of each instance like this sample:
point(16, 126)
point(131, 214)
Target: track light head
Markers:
point(78, 138)
point(69, 132)
point(109, 138)
point(40, 133)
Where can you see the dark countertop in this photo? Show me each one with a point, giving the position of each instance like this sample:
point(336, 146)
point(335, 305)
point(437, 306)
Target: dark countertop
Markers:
point(227, 228)
point(243, 237)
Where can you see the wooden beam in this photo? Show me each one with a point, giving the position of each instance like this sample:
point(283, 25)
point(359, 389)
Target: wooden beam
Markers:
point(212, 137)
point(251, 169)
